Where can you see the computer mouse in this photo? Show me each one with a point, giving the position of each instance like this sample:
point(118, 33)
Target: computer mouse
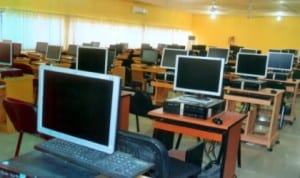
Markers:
point(273, 91)
point(217, 120)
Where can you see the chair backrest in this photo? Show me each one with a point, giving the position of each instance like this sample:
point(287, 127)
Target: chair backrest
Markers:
point(141, 103)
point(22, 114)
point(145, 148)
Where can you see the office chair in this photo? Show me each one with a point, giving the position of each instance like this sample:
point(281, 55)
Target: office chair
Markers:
point(140, 105)
point(23, 116)
point(151, 150)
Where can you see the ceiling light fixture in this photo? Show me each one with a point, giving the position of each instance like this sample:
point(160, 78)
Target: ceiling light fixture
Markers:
point(213, 10)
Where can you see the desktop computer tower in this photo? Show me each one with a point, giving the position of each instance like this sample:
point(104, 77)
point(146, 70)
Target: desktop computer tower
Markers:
point(167, 76)
point(278, 75)
point(194, 109)
point(248, 85)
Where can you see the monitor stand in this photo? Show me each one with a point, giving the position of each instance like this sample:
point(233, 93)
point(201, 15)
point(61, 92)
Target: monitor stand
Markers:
point(201, 99)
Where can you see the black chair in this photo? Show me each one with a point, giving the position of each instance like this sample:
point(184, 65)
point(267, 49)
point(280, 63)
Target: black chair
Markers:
point(140, 105)
point(151, 150)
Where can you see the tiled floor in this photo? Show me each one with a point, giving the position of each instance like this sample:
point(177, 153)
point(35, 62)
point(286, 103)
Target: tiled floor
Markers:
point(257, 161)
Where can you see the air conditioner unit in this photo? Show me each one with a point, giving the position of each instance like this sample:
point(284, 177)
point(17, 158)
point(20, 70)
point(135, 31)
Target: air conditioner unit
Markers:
point(139, 10)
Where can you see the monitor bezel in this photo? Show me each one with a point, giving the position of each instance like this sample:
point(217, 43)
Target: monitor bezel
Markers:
point(38, 46)
point(50, 58)
point(163, 57)
point(92, 48)
point(280, 68)
point(201, 92)
point(10, 62)
point(110, 147)
point(71, 47)
point(219, 48)
point(248, 74)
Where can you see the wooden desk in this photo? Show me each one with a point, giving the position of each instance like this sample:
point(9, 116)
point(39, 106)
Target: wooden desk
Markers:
point(292, 87)
point(124, 110)
point(268, 138)
point(161, 91)
point(228, 133)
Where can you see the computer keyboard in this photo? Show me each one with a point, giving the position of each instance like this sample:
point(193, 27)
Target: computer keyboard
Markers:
point(251, 95)
point(118, 164)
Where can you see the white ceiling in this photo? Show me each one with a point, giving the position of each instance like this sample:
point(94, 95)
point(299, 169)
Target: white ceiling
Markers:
point(232, 7)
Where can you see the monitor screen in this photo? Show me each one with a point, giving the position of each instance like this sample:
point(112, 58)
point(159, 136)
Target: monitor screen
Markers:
point(247, 50)
point(199, 75)
point(168, 59)
point(92, 59)
point(280, 61)
point(53, 53)
point(251, 65)
point(72, 50)
point(78, 106)
point(41, 47)
point(6, 53)
point(218, 53)
point(149, 56)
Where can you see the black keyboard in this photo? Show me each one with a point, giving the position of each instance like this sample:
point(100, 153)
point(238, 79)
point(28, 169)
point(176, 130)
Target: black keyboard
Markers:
point(250, 95)
point(118, 164)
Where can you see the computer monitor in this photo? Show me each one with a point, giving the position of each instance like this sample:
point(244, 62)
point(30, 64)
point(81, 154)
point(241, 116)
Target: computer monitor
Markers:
point(41, 47)
point(72, 50)
point(234, 49)
point(280, 61)
point(250, 65)
point(168, 59)
point(92, 59)
point(112, 54)
point(199, 47)
point(78, 106)
point(6, 54)
point(248, 50)
point(17, 47)
point(149, 56)
point(53, 53)
point(275, 50)
point(199, 75)
point(222, 53)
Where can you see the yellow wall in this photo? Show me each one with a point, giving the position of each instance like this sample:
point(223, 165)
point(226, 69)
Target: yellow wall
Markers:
point(112, 10)
point(258, 32)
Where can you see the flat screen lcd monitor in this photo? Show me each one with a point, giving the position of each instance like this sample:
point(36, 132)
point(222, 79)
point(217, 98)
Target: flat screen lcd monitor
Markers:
point(41, 47)
point(72, 50)
point(251, 65)
point(149, 56)
point(222, 53)
point(53, 53)
point(247, 50)
point(199, 75)
point(78, 106)
point(92, 59)
point(168, 59)
point(280, 61)
point(6, 54)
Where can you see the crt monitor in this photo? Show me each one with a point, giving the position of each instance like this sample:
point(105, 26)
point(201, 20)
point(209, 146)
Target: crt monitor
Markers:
point(280, 61)
point(53, 53)
point(149, 56)
point(41, 47)
point(78, 106)
point(6, 53)
point(72, 50)
point(222, 53)
point(251, 65)
point(199, 75)
point(92, 59)
point(168, 59)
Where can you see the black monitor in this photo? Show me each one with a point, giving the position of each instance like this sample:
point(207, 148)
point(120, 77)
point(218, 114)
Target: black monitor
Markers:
point(275, 50)
point(6, 53)
point(72, 50)
point(149, 56)
point(146, 46)
point(92, 59)
point(280, 61)
point(168, 59)
point(234, 49)
point(112, 54)
point(216, 52)
point(41, 47)
point(53, 53)
point(248, 50)
point(78, 106)
point(199, 75)
point(250, 65)
point(199, 47)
